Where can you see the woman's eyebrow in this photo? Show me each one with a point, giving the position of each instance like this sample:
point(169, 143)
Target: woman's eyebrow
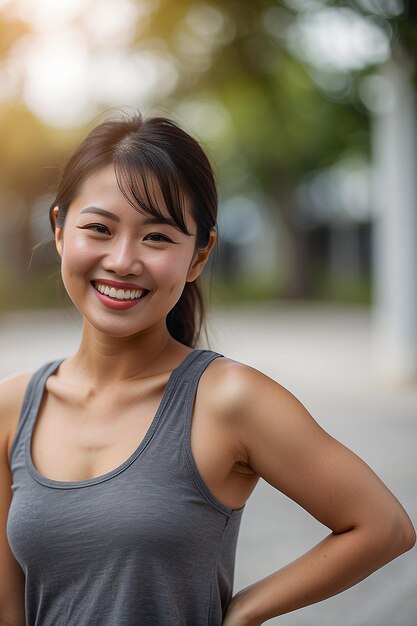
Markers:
point(102, 212)
point(147, 221)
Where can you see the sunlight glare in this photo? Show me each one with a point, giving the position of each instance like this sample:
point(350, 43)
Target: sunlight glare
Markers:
point(109, 24)
point(46, 15)
point(57, 84)
point(131, 79)
point(77, 58)
point(338, 38)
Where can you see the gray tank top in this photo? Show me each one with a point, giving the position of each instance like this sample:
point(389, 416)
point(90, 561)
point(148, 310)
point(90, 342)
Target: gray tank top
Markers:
point(146, 544)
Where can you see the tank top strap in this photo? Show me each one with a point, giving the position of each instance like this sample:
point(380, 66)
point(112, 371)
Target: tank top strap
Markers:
point(32, 399)
point(182, 387)
point(195, 364)
point(173, 417)
point(199, 365)
point(170, 450)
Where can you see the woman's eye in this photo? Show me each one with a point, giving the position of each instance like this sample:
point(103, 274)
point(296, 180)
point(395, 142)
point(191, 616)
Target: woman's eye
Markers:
point(98, 228)
point(158, 237)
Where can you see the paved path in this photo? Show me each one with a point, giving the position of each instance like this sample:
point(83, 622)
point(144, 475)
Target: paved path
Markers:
point(322, 354)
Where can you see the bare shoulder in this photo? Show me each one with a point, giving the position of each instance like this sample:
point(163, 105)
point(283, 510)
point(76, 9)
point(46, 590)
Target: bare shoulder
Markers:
point(267, 423)
point(241, 391)
point(12, 391)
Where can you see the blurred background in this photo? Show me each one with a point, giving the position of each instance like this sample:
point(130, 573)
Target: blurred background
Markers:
point(306, 108)
point(308, 111)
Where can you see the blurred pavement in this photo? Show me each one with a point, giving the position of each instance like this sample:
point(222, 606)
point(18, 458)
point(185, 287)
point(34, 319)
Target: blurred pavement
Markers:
point(322, 354)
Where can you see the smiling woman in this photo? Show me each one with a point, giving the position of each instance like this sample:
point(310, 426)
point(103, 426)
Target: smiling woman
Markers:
point(157, 169)
point(125, 468)
point(157, 255)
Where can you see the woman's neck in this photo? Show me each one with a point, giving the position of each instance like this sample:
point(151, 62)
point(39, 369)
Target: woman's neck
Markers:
point(106, 360)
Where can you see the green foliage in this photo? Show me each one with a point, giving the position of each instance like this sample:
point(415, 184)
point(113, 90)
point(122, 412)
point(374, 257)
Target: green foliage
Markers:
point(43, 290)
point(346, 287)
point(262, 287)
point(279, 124)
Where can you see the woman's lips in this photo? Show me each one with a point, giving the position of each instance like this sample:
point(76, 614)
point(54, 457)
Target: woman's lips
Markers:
point(114, 296)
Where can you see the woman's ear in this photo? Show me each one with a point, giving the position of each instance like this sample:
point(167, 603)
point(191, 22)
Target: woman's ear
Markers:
point(58, 232)
point(200, 258)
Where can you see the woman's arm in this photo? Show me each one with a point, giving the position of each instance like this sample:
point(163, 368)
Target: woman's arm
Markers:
point(12, 606)
point(290, 451)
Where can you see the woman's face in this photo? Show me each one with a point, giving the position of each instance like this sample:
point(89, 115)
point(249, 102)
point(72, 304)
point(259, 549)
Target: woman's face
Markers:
point(123, 270)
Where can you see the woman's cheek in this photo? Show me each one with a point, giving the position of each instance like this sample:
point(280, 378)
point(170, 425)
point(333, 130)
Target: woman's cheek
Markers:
point(78, 254)
point(172, 267)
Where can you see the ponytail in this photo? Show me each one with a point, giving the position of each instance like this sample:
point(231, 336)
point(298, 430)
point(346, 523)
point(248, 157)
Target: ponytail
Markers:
point(185, 320)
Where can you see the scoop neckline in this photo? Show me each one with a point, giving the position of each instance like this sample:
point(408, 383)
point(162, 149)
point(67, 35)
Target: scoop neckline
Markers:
point(63, 484)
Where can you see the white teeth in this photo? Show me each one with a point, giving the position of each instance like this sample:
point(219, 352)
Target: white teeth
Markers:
point(119, 294)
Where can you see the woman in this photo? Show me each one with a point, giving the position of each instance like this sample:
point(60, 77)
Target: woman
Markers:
point(126, 467)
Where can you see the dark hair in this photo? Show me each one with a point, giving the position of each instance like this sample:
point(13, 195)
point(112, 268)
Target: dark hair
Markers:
point(157, 147)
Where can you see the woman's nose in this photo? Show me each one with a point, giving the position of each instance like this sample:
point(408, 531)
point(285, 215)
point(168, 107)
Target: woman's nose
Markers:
point(123, 259)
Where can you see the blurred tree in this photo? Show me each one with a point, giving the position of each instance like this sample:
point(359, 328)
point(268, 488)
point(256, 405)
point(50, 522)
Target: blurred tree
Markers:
point(29, 155)
point(264, 113)
point(279, 123)
point(399, 17)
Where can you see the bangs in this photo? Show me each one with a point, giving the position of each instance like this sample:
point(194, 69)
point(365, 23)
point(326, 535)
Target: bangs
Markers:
point(140, 172)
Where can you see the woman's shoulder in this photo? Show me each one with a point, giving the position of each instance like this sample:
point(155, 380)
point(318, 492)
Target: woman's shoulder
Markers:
point(12, 392)
point(235, 388)
point(253, 413)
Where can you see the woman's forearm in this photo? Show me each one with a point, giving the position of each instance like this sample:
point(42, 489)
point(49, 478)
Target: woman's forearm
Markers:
point(335, 564)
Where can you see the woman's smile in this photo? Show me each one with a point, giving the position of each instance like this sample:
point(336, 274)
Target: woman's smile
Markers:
point(118, 296)
point(115, 258)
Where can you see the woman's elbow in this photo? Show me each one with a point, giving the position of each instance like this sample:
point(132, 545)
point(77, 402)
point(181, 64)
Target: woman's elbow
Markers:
point(388, 533)
point(408, 535)
point(401, 534)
